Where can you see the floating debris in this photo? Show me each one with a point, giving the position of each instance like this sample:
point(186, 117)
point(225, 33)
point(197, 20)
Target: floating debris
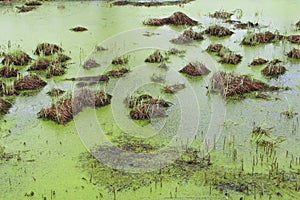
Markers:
point(4, 106)
point(145, 98)
point(155, 57)
point(261, 38)
point(79, 29)
point(172, 89)
point(19, 58)
point(117, 73)
point(47, 49)
point(90, 63)
point(221, 15)
point(258, 61)
point(158, 78)
point(188, 36)
point(231, 58)
point(294, 53)
point(149, 3)
point(231, 84)
point(8, 72)
point(195, 69)
point(40, 64)
point(30, 82)
point(178, 18)
point(100, 48)
point(33, 3)
point(273, 70)
point(122, 60)
point(55, 92)
point(218, 31)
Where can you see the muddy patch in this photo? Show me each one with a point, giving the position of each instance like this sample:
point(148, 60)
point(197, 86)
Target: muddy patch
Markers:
point(78, 29)
point(172, 89)
point(218, 31)
point(253, 39)
point(19, 58)
point(31, 82)
point(273, 70)
point(155, 57)
point(230, 84)
point(188, 36)
point(47, 49)
point(294, 53)
point(258, 61)
point(8, 72)
point(195, 69)
point(65, 109)
point(178, 18)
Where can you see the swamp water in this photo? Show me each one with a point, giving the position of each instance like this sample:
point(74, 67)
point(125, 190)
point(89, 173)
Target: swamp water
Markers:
point(220, 157)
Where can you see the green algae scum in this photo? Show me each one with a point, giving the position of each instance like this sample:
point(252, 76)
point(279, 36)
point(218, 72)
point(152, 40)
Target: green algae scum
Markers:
point(150, 99)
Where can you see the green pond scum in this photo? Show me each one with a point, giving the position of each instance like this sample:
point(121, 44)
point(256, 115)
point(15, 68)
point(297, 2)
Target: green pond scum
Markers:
point(203, 99)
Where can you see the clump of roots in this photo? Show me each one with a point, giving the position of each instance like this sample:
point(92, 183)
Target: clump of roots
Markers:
point(273, 70)
point(122, 60)
point(188, 36)
point(47, 49)
point(40, 64)
point(214, 48)
point(258, 61)
point(195, 69)
point(66, 108)
point(155, 57)
point(117, 73)
point(30, 82)
point(294, 53)
point(230, 84)
point(218, 31)
point(172, 89)
point(221, 14)
point(178, 18)
point(90, 63)
point(4, 106)
point(231, 58)
point(18, 58)
point(8, 72)
point(261, 38)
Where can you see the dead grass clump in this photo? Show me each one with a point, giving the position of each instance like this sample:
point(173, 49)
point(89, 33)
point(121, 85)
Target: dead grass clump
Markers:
point(214, 48)
point(90, 63)
point(221, 15)
point(188, 36)
point(172, 89)
point(117, 73)
point(122, 60)
point(55, 71)
point(155, 57)
point(4, 106)
point(260, 38)
point(231, 58)
point(40, 64)
point(79, 29)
